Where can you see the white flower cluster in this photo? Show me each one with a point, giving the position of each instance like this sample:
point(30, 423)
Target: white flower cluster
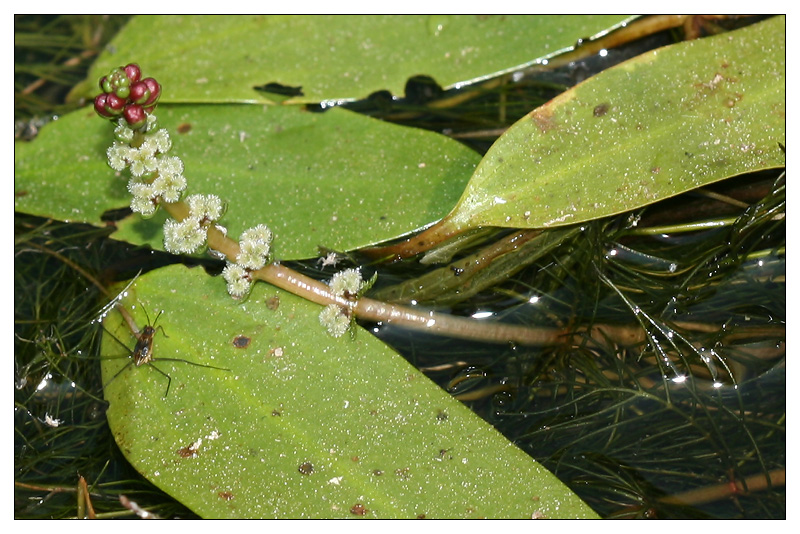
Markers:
point(349, 285)
point(186, 236)
point(254, 245)
point(153, 174)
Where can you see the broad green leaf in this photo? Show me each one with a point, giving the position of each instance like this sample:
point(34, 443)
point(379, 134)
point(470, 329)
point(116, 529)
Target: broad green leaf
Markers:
point(303, 424)
point(658, 125)
point(333, 58)
point(336, 179)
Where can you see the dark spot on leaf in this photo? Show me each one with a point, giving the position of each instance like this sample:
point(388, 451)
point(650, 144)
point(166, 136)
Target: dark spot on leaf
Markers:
point(358, 509)
point(241, 342)
point(421, 516)
point(600, 110)
point(441, 415)
point(190, 451)
point(20, 193)
point(377, 472)
point(273, 303)
point(731, 101)
point(456, 270)
point(276, 413)
point(184, 128)
point(655, 170)
point(543, 118)
point(306, 468)
point(225, 495)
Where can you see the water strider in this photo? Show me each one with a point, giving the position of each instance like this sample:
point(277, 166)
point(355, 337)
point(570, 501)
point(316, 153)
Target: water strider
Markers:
point(142, 353)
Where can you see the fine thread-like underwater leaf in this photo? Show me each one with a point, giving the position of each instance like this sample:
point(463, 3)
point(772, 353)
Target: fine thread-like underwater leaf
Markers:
point(660, 124)
point(334, 58)
point(303, 424)
point(335, 179)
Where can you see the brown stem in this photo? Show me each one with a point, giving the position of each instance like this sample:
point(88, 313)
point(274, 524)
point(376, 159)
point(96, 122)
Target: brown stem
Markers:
point(760, 482)
point(430, 321)
point(85, 500)
point(425, 240)
point(410, 317)
point(373, 310)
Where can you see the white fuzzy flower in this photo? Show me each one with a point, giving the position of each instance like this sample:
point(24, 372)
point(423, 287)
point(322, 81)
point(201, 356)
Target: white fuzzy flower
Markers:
point(143, 206)
point(238, 279)
point(170, 182)
point(123, 132)
point(162, 141)
point(143, 159)
point(205, 207)
point(260, 233)
point(333, 318)
point(254, 246)
point(183, 237)
point(251, 259)
point(144, 195)
point(347, 283)
point(118, 154)
point(170, 186)
point(170, 165)
point(142, 189)
point(152, 123)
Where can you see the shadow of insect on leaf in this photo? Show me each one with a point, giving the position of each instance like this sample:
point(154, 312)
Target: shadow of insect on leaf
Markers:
point(142, 353)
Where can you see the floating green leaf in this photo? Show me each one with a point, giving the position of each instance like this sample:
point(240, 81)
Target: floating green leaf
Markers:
point(303, 424)
point(662, 123)
point(333, 57)
point(336, 179)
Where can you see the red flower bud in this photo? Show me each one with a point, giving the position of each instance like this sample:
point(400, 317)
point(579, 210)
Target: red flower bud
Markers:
point(133, 72)
point(140, 93)
point(125, 94)
point(135, 116)
point(100, 106)
point(155, 91)
point(114, 104)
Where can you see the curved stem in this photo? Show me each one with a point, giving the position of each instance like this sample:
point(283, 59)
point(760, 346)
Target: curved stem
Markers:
point(421, 242)
point(377, 311)
point(374, 310)
point(410, 317)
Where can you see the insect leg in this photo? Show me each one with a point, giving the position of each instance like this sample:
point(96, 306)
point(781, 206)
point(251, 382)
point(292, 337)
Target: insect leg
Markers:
point(169, 379)
point(118, 373)
point(190, 363)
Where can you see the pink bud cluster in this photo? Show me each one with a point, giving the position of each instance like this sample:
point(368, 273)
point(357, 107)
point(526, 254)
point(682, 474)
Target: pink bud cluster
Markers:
point(126, 95)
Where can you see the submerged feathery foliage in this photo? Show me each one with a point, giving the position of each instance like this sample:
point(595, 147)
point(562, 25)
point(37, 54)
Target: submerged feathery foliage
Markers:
point(696, 400)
